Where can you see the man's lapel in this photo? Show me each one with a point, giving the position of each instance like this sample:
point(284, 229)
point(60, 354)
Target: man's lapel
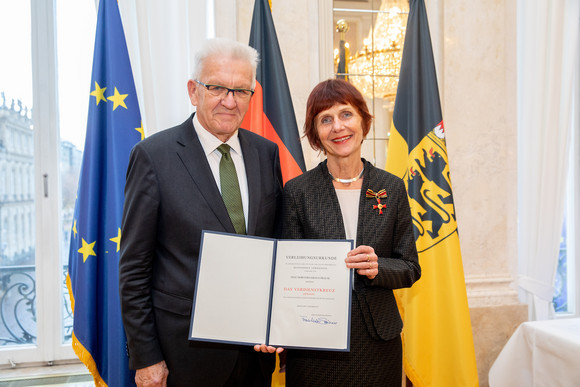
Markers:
point(193, 157)
point(253, 173)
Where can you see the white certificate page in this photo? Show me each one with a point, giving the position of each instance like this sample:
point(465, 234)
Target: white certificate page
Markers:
point(232, 293)
point(311, 295)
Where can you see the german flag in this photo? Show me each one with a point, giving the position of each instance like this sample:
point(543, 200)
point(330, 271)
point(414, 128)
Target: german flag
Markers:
point(271, 113)
point(437, 339)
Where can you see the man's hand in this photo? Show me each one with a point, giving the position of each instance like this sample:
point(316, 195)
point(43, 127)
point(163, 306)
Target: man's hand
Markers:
point(152, 376)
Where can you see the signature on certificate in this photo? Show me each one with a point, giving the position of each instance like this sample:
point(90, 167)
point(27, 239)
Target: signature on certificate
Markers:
point(319, 320)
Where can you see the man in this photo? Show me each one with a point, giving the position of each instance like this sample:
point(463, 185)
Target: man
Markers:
point(174, 191)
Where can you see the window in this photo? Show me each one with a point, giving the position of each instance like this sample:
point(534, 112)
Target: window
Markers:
point(17, 166)
point(567, 295)
point(42, 125)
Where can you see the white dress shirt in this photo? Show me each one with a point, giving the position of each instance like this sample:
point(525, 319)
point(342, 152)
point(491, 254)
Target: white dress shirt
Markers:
point(210, 143)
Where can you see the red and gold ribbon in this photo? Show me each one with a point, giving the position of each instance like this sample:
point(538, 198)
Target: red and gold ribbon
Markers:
point(372, 194)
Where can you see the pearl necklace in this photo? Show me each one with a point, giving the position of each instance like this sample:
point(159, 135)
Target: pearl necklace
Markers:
point(348, 181)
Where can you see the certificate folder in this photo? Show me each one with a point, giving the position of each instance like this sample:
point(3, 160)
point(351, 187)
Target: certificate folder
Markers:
point(284, 293)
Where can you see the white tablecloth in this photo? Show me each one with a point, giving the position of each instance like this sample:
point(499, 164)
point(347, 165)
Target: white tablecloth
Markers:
point(540, 353)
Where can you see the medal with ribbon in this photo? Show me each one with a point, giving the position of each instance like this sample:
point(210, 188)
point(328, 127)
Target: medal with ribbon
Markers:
point(378, 195)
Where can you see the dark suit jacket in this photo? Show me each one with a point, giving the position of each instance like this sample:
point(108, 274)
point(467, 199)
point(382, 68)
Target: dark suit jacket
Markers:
point(170, 197)
point(312, 211)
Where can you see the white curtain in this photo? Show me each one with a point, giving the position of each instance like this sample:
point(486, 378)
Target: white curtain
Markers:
point(548, 44)
point(162, 38)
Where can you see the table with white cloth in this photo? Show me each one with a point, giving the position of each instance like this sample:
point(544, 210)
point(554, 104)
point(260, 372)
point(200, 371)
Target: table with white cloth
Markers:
point(540, 353)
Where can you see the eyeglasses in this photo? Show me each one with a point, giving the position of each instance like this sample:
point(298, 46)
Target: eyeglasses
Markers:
point(222, 91)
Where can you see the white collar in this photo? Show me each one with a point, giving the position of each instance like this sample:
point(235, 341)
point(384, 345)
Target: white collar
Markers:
point(209, 142)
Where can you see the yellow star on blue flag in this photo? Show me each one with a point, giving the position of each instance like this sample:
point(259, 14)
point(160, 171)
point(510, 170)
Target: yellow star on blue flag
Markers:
point(118, 99)
point(99, 93)
point(141, 131)
point(117, 239)
point(87, 249)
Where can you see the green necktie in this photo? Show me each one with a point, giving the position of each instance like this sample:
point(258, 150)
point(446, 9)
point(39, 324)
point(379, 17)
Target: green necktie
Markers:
point(231, 189)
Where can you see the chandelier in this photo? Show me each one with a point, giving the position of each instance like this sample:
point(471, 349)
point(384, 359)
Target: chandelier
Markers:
point(374, 69)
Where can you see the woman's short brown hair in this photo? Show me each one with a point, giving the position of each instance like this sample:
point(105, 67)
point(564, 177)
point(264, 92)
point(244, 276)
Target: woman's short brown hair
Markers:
point(327, 94)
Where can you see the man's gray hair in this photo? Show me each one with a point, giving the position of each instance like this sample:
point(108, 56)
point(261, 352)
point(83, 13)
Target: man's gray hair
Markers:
point(222, 47)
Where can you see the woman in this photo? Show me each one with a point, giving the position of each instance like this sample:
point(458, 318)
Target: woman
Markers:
point(346, 197)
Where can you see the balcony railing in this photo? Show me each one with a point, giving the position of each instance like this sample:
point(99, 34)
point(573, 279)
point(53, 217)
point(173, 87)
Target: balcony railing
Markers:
point(18, 306)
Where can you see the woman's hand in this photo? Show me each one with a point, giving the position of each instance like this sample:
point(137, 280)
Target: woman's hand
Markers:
point(267, 348)
point(364, 260)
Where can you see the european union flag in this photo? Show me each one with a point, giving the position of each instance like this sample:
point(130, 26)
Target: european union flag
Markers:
point(113, 128)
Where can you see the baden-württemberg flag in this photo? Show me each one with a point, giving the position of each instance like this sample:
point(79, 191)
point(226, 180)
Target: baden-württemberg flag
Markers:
point(437, 338)
point(113, 127)
point(271, 113)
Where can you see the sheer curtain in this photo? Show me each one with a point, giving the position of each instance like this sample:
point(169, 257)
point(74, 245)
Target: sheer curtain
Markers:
point(548, 44)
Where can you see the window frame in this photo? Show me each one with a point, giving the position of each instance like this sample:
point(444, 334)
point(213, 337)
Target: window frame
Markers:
point(49, 348)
